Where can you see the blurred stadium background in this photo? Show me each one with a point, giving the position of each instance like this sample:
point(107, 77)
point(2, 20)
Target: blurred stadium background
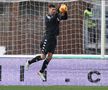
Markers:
point(78, 59)
point(22, 27)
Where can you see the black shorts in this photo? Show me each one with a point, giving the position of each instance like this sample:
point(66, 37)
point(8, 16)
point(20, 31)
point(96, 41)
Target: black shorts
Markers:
point(48, 44)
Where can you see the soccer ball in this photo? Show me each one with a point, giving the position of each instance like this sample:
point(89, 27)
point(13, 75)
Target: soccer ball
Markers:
point(63, 8)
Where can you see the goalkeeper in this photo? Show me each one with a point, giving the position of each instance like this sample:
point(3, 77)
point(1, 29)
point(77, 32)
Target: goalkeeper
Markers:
point(49, 41)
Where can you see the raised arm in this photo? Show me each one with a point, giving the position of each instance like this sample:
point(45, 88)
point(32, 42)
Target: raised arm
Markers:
point(63, 16)
point(62, 12)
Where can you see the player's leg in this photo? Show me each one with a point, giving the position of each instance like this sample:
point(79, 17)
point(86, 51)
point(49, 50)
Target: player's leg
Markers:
point(50, 48)
point(46, 62)
point(44, 66)
point(36, 59)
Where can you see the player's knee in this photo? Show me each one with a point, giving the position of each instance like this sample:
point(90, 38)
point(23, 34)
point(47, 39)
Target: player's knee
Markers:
point(38, 57)
point(43, 56)
point(49, 57)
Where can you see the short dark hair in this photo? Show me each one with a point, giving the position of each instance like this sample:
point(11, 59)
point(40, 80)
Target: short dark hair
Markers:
point(51, 6)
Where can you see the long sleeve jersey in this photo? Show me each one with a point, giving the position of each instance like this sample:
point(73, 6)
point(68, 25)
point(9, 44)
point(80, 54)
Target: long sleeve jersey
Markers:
point(52, 23)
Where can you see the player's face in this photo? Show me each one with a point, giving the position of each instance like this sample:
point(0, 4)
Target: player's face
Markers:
point(52, 10)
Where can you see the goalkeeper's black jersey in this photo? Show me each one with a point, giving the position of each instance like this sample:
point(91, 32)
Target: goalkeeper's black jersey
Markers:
point(52, 24)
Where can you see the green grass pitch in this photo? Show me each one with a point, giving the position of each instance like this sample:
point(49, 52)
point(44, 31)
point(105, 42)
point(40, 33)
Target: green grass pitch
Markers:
point(53, 88)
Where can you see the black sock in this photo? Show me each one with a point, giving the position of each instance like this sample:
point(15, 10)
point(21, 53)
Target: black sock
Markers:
point(44, 66)
point(37, 58)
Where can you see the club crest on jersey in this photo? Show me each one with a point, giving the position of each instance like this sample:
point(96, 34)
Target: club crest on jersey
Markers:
point(48, 17)
point(58, 19)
